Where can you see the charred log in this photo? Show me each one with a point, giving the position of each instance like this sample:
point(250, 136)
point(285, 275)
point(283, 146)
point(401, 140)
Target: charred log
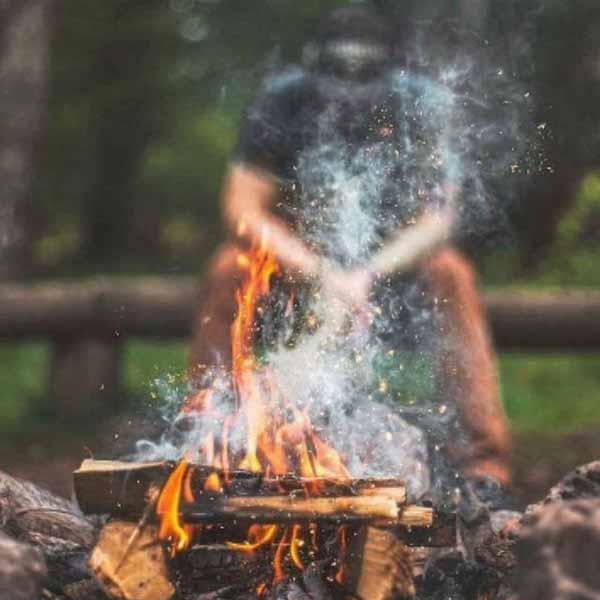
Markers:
point(50, 524)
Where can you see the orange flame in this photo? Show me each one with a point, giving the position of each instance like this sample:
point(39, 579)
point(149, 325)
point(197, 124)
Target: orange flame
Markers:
point(167, 509)
point(274, 443)
point(258, 536)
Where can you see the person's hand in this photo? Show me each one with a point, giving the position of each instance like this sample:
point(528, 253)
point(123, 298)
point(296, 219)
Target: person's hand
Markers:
point(352, 288)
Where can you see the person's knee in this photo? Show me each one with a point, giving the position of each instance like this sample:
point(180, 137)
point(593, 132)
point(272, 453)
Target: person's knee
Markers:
point(224, 265)
point(450, 273)
point(216, 308)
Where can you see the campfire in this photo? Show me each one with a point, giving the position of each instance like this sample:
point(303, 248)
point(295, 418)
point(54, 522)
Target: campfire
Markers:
point(260, 487)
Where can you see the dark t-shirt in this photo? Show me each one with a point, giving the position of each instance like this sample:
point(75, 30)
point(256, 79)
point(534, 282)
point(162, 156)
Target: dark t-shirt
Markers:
point(354, 163)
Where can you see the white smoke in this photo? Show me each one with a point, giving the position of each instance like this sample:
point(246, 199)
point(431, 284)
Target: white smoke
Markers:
point(463, 123)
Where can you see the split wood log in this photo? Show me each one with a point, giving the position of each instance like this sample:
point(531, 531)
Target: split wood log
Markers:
point(378, 566)
point(118, 488)
point(122, 488)
point(22, 570)
point(288, 509)
point(49, 523)
point(128, 571)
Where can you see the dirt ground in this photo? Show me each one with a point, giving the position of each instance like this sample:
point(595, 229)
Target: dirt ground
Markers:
point(49, 459)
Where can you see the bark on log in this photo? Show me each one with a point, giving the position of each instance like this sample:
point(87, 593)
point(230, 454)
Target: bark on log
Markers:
point(544, 320)
point(51, 524)
point(22, 570)
point(165, 307)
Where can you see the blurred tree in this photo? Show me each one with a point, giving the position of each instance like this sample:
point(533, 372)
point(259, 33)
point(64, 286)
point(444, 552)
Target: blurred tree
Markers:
point(566, 55)
point(146, 96)
point(25, 27)
point(125, 111)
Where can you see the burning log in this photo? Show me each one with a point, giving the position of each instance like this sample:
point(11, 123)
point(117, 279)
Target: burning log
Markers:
point(112, 487)
point(289, 509)
point(123, 489)
point(118, 488)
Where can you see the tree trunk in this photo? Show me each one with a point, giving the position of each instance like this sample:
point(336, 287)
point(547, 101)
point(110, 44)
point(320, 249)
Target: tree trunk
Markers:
point(85, 376)
point(24, 49)
point(123, 124)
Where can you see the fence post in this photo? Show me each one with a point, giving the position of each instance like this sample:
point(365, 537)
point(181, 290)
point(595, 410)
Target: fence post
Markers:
point(85, 376)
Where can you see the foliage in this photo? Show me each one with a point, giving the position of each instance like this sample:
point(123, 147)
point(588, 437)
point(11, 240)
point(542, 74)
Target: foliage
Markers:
point(144, 103)
point(574, 257)
point(146, 96)
point(551, 393)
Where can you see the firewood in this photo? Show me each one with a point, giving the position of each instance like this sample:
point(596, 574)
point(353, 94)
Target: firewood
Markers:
point(289, 509)
point(49, 523)
point(110, 487)
point(378, 566)
point(410, 516)
point(141, 574)
point(22, 570)
point(283, 509)
point(122, 488)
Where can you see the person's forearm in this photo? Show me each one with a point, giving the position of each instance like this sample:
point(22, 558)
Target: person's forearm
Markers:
point(247, 201)
point(409, 246)
point(290, 251)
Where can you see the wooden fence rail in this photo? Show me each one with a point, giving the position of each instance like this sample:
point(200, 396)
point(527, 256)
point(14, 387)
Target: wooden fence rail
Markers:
point(163, 307)
point(88, 321)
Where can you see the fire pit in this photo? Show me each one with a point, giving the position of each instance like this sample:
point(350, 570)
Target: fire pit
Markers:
point(259, 496)
point(351, 535)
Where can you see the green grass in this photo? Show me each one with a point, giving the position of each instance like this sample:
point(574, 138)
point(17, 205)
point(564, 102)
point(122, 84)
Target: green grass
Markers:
point(23, 377)
point(147, 363)
point(551, 392)
point(548, 393)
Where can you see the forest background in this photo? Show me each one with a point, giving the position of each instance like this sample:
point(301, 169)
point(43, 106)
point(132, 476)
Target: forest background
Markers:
point(117, 121)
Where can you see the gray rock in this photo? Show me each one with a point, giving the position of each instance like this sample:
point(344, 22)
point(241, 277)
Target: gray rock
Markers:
point(559, 552)
point(22, 570)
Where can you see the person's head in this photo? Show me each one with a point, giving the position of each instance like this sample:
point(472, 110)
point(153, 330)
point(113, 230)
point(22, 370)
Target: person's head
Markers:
point(353, 43)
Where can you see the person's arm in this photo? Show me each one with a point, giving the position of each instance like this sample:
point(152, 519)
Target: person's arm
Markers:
point(403, 251)
point(411, 245)
point(247, 199)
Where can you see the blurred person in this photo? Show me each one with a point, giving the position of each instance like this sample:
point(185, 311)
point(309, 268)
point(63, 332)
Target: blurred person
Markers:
point(345, 81)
